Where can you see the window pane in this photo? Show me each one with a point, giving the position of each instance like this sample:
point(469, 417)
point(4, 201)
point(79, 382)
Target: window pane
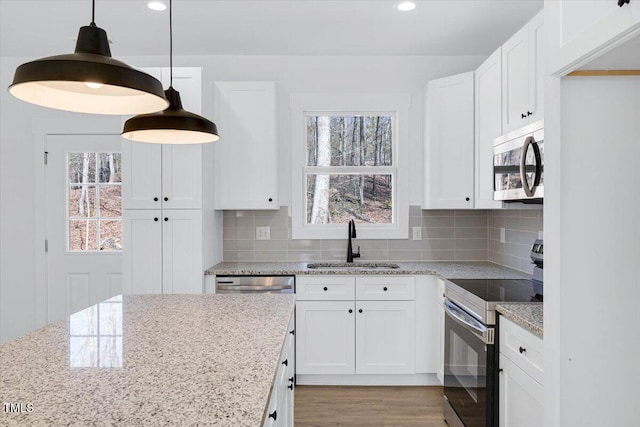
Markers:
point(349, 140)
point(339, 198)
point(82, 201)
point(110, 201)
point(82, 167)
point(110, 235)
point(82, 235)
point(110, 167)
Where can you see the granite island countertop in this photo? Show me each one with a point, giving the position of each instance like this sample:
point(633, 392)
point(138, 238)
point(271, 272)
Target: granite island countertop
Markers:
point(528, 315)
point(143, 360)
point(445, 270)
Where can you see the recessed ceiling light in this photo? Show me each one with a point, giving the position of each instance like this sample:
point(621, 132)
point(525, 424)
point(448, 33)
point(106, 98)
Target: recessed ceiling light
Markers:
point(405, 6)
point(157, 5)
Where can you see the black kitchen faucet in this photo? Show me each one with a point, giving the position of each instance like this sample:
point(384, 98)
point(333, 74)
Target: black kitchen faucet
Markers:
point(352, 235)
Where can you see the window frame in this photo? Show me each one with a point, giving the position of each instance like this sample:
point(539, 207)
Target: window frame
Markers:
point(394, 105)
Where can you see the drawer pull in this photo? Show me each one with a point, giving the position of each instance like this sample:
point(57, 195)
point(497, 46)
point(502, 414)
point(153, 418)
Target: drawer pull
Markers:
point(274, 415)
point(325, 289)
point(290, 387)
point(522, 350)
point(291, 379)
point(385, 289)
point(292, 332)
point(360, 311)
point(286, 362)
point(350, 311)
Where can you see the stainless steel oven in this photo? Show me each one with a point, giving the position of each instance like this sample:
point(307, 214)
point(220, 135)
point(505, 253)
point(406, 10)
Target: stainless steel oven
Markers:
point(469, 369)
point(518, 165)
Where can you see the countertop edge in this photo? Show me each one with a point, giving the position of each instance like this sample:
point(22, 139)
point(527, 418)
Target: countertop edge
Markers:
point(527, 315)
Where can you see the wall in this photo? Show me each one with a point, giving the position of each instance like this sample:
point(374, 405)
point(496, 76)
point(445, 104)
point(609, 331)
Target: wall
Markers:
point(18, 248)
point(522, 228)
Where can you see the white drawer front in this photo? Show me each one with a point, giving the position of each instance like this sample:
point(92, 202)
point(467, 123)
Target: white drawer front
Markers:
point(523, 348)
point(325, 288)
point(381, 288)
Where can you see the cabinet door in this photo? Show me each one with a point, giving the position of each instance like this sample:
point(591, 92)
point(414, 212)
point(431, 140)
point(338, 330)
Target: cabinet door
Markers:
point(325, 337)
point(520, 402)
point(536, 68)
point(385, 337)
point(141, 175)
point(449, 143)
point(488, 126)
point(142, 252)
point(246, 155)
point(182, 268)
point(515, 74)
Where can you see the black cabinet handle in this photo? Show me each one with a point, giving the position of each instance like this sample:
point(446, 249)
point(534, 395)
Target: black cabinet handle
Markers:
point(325, 289)
point(360, 311)
point(166, 219)
point(286, 362)
point(500, 370)
point(622, 2)
point(522, 350)
point(155, 199)
point(523, 116)
point(385, 289)
point(274, 415)
point(270, 199)
point(467, 199)
point(291, 379)
point(166, 199)
point(529, 113)
point(290, 387)
point(292, 332)
point(350, 311)
point(155, 219)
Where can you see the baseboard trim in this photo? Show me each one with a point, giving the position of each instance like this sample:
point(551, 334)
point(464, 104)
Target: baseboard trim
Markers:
point(369, 380)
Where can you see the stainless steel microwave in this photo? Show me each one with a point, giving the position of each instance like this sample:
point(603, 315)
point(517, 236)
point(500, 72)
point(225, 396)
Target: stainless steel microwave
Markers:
point(518, 165)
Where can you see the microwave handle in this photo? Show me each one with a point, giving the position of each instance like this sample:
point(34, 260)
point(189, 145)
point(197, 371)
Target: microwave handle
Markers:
point(529, 141)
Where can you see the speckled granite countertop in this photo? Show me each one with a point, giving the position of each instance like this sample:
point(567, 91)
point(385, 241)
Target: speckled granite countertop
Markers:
point(446, 270)
point(149, 360)
point(527, 315)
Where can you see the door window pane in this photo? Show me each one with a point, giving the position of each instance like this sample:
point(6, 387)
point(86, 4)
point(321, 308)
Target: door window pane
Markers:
point(82, 235)
point(82, 201)
point(111, 235)
point(110, 201)
point(110, 167)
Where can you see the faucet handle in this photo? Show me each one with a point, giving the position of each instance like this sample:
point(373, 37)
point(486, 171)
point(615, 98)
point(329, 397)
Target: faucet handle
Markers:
point(357, 254)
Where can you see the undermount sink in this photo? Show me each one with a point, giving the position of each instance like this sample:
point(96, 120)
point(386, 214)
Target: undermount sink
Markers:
point(352, 266)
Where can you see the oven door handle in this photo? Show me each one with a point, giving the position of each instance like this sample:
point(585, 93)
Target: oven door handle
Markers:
point(465, 319)
point(249, 288)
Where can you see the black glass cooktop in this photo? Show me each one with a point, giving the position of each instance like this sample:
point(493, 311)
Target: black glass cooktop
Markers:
point(500, 290)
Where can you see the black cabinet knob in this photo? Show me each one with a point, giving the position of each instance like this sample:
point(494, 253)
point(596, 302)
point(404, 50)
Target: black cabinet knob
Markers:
point(360, 311)
point(325, 289)
point(291, 379)
point(292, 332)
point(155, 199)
point(166, 219)
point(270, 199)
point(286, 362)
point(500, 370)
point(523, 116)
point(155, 219)
point(529, 113)
point(350, 311)
point(385, 289)
point(166, 199)
point(467, 199)
point(522, 350)
point(290, 387)
point(274, 415)
point(622, 2)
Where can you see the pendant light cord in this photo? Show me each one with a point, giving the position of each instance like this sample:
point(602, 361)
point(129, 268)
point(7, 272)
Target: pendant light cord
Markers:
point(93, 12)
point(170, 44)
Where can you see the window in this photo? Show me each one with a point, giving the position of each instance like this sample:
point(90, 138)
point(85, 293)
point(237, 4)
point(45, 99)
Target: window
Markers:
point(94, 202)
point(349, 157)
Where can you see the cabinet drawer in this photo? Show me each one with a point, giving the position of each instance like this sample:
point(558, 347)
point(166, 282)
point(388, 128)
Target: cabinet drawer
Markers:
point(523, 348)
point(389, 288)
point(325, 288)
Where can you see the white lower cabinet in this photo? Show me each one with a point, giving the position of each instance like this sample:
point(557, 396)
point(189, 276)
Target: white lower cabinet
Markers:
point(520, 378)
point(354, 336)
point(280, 410)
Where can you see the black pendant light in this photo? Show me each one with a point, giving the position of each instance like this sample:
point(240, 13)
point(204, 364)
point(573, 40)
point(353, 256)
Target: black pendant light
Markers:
point(88, 80)
point(173, 125)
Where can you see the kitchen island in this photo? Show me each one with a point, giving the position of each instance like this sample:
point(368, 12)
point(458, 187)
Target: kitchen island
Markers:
point(139, 360)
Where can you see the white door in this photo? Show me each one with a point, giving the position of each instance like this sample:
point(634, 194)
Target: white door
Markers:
point(515, 89)
point(521, 397)
point(83, 209)
point(182, 270)
point(385, 337)
point(142, 253)
point(325, 337)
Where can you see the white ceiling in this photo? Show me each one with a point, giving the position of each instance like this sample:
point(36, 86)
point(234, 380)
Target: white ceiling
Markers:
point(267, 27)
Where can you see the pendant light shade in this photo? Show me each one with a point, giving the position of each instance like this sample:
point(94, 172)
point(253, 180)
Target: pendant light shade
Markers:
point(88, 81)
point(171, 126)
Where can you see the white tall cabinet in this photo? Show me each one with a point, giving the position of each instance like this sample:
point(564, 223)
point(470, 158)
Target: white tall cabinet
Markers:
point(449, 155)
point(246, 157)
point(168, 221)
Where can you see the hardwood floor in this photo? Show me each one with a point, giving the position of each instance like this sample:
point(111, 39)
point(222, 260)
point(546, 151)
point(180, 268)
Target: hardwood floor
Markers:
point(325, 406)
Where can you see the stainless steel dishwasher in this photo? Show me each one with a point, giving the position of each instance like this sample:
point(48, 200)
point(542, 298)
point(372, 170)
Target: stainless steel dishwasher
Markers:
point(255, 284)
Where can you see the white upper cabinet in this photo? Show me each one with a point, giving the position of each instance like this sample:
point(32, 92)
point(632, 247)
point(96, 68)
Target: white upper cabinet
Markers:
point(488, 126)
point(166, 176)
point(522, 76)
point(246, 155)
point(584, 29)
point(449, 156)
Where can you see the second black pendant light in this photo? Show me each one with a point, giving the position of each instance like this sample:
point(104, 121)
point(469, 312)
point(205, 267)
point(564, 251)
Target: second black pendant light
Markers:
point(173, 125)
